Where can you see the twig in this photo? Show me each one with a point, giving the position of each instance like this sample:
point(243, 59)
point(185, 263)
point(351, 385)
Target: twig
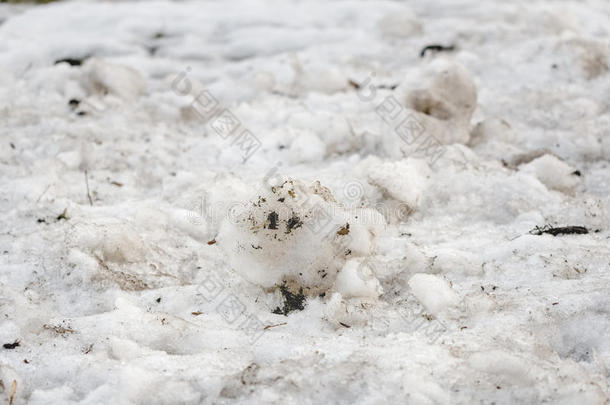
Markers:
point(273, 326)
point(435, 48)
point(13, 392)
point(87, 184)
point(562, 230)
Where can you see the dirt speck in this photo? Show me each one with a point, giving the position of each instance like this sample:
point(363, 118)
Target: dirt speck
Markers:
point(11, 346)
point(292, 302)
point(273, 218)
point(344, 230)
point(293, 223)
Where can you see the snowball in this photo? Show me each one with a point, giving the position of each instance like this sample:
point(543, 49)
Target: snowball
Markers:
point(433, 292)
point(123, 81)
point(357, 280)
point(553, 173)
point(443, 90)
point(491, 129)
point(293, 233)
point(404, 180)
point(436, 104)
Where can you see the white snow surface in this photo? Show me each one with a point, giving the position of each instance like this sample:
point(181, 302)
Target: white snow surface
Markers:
point(139, 265)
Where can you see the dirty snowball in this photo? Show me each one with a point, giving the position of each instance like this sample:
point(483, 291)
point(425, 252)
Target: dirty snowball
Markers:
point(296, 233)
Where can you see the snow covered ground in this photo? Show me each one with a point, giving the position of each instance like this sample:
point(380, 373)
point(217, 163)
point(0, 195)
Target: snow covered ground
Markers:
point(284, 202)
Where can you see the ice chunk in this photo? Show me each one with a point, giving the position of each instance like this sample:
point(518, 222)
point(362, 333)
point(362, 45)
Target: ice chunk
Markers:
point(553, 173)
point(357, 280)
point(433, 292)
point(403, 180)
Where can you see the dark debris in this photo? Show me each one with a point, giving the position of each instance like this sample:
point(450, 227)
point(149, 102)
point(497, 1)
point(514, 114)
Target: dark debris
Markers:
point(11, 346)
point(562, 230)
point(71, 61)
point(293, 223)
point(436, 48)
point(292, 302)
point(272, 218)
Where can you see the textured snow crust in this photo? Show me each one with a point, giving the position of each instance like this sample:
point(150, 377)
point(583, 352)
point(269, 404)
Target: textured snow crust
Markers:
point(284, 203)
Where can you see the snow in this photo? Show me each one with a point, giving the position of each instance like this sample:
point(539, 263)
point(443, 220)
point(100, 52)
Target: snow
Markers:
point(294, 232)
point(404, 180)
point(137, 261)
point(357, 279)
point(433, 292)
point(553, 173)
